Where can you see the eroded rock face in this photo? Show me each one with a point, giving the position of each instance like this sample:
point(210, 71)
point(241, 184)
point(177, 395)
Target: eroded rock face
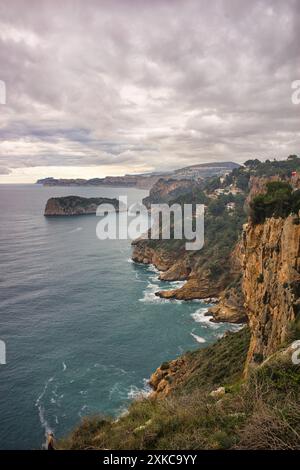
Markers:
point(270, 255)
point(198, 286)
point(145, 254)
point(179, 265)
point(230, 307)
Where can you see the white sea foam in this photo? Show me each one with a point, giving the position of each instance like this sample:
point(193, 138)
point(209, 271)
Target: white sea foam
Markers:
point(199, 339)
point(44, 423)
point(153, 287)
point(200, 317)
point(135, 392)
point(177, 284)
point(237, 326)
point(138, 279)
point(64, 366)
point(149, 297)
point(152, 268)
point(149, 294)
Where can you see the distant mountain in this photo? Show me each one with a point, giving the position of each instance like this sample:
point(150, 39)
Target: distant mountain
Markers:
point(205, 170)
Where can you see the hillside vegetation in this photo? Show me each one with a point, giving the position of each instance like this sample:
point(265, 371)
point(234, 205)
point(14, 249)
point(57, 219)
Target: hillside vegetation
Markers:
point(261, 412)
point(279, 200)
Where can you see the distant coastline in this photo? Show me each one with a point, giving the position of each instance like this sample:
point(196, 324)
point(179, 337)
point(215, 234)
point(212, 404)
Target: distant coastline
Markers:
point(146, 180)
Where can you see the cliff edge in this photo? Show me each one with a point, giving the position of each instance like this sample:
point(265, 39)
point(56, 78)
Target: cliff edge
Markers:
point(270, 256)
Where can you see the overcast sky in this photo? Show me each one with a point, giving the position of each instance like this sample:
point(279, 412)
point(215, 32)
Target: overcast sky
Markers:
point(124, 86)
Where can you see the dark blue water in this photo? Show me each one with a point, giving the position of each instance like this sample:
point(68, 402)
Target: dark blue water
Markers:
point(82, 327)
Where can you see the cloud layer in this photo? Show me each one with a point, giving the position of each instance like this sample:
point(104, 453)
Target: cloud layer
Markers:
point(134, 85)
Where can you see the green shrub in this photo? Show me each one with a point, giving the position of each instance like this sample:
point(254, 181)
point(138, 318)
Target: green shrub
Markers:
point(278, 201)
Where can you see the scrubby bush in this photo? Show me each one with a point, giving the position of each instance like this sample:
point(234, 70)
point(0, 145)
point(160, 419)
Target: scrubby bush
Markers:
point(279, 200)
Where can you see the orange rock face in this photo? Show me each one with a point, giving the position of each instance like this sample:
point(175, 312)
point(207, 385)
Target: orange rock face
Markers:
point(270, 258)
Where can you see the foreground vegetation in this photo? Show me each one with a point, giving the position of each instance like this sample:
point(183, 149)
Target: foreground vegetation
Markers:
point(261, 412)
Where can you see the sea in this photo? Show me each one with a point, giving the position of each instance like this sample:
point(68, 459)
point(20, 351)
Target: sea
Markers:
point(81, 324)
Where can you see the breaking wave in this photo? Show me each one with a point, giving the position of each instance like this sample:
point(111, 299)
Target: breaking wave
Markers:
point(199, 339)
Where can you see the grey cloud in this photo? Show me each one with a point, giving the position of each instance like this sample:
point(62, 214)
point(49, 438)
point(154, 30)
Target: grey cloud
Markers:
point(129, 82)
point(4, 171)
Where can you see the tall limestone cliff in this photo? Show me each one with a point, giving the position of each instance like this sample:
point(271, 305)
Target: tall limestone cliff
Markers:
point(270, 256)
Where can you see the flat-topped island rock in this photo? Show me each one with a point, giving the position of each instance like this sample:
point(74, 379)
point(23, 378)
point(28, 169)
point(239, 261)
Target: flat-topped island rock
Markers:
point(76, 205)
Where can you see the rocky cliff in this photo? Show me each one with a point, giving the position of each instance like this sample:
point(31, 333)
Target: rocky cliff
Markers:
point(270, 256)
point(176, 264)
point(165, 191)
point(76, 205)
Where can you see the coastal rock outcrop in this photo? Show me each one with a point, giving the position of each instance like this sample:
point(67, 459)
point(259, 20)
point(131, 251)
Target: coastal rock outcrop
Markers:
point(177, 265)
point(230, 307)
point(270, 255)
point(161, 380)
point(198, 286)
point(167, 190)
point(144, 253)
point(76, 205)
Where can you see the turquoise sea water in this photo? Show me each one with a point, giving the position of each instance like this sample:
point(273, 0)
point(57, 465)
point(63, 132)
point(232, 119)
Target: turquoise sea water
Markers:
point(82, 326)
